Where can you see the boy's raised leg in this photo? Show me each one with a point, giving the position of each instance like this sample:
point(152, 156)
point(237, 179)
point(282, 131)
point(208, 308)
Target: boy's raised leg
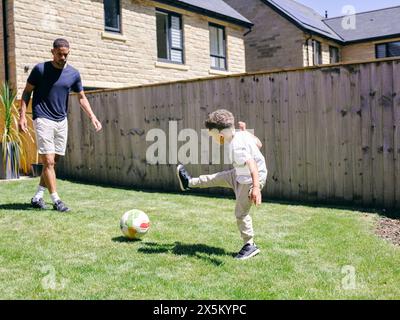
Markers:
point(225, 179)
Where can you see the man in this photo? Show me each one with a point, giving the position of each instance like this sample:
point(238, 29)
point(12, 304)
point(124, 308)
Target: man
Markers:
point(51, 82)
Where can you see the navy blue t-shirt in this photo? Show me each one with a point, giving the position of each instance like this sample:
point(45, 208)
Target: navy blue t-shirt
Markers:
point(52, 88)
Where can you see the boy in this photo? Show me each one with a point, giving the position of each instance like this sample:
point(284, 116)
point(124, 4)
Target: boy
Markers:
point(246, 179)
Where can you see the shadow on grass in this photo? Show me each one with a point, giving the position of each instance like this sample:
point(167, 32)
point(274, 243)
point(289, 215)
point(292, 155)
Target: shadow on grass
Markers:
point(122, 239)
point(17, 206)
point(200, 251)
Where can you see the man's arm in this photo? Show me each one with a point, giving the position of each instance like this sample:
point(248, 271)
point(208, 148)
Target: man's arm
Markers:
point(83, 101)
point(26, 97)
point(255, 195)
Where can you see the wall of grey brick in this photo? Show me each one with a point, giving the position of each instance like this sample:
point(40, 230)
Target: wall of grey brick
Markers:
point(274, 41)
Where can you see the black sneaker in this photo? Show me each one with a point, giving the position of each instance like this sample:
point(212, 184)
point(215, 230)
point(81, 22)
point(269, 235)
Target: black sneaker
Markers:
point(183, 177)
point(248, 251)
point(60, 206)
point(38, 204)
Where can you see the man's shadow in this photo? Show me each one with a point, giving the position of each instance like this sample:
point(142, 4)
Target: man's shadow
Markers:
point(200, 251)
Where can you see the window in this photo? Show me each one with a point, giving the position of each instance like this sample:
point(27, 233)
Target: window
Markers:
point(169, 37)
point(218, 47)
point(317, 52)
point(112, 15)
point(334, 54)
point(386, 50)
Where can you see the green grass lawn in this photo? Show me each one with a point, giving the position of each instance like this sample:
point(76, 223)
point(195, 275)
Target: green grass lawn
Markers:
point(187, 253)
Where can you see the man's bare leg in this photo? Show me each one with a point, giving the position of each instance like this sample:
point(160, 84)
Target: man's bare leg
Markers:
point(48, 180)
point(48, 177)
point(37, 200)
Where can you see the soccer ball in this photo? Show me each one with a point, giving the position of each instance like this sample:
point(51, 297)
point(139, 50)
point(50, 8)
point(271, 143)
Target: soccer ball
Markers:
point(134, 224)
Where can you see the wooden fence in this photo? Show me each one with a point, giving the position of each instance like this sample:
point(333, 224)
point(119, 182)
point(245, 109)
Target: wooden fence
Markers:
point(330, 134)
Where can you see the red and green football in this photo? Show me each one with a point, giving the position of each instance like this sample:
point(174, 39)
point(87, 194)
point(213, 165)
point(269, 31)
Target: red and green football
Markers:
point(134, 224)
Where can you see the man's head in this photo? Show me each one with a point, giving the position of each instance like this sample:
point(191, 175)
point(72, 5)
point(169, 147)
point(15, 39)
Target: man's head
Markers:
point(221, 125)
point(60, 52)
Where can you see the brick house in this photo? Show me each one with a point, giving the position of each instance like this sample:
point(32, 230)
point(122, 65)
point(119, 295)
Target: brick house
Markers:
point(116, 43)
point(287, 34)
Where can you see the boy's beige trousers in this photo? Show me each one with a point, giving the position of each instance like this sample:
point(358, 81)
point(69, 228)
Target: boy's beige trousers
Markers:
point(227, 179)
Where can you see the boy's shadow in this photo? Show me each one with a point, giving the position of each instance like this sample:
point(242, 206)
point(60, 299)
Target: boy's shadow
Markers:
point(200, 251)
point(16, 206)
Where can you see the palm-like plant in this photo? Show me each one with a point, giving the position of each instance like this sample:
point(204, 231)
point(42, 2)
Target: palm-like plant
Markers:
point(11, 140)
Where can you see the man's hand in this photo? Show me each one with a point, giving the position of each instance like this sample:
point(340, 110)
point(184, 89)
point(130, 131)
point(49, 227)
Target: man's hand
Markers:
point(96, 124)
point(255, 195)
point(23, 124)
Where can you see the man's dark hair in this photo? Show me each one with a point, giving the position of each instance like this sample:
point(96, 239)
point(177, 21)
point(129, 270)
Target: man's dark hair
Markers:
point(60, 43)
point(220, 120)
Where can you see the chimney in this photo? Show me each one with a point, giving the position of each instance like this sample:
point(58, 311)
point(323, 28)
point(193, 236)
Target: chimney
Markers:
point(326, 14)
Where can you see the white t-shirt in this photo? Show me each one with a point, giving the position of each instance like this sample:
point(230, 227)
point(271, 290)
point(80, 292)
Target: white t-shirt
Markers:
point(242, 148)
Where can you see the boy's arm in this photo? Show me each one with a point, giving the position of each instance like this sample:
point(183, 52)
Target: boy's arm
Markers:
point(255, 195)
point(258, 143)
point(242, 126)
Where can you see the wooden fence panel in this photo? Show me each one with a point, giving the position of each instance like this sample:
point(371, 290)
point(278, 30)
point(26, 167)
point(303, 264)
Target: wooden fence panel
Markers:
point(366, 134)
point(356, 133)
point(330, 134)
point(396, 127)
point(387, 104)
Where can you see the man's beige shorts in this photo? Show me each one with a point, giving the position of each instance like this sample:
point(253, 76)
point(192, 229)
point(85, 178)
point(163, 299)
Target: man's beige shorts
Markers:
point(51, 136)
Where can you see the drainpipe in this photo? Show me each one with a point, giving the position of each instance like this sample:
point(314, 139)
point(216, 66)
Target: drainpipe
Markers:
point(5, 38)
point(250, 30)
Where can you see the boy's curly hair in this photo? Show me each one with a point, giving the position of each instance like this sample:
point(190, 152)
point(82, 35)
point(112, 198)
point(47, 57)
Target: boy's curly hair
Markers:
point(220, 120)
